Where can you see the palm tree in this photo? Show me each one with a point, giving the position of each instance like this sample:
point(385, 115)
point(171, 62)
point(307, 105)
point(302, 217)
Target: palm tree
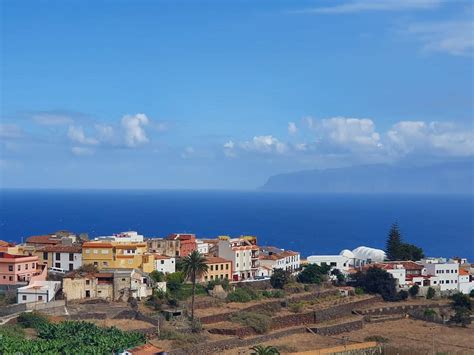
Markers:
point(194, 265)
point(265, 350)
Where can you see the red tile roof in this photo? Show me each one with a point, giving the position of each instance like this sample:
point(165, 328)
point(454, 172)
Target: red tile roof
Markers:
point(61, 248)
point(158, 257)
point(216, 260)
point(96, 245)
point(4, 244)
point(42, 239)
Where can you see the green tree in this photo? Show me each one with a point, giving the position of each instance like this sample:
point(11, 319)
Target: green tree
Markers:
point(430, 293)
point(394, 243)
point(264, 350)
point(314, 274)
point(174, 281)
point(376, 280)
point(194, 265)
point(462, 307)
point(414, 290)
point(157, 276)
point(280, 278)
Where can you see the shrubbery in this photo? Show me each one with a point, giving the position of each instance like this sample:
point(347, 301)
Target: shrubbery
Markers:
point(261, 323)
point(273, 294)
point(280, 278)
point(430, 293)
point(314, 274)
point(224, 283)
point(376, 280)
point(414, 290)
point(296, 307)
point(243, 294)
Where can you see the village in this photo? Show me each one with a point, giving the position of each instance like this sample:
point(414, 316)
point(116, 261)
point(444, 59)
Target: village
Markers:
point(241, 296)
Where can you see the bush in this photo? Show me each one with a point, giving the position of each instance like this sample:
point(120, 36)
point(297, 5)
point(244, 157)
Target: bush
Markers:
point(278, 294)
point(259, 322)
point(376, 280)
point(157, 276)
point(32, 320)
point(430, 293)
point(224, 283)
point(174, 281)
point(242, 294)
point(430, 313)
point(296, 307)
point(359, 291)
point(414, 290)
point(314, 274)
point(280, 278)
point(402, 295)
point(471, 294)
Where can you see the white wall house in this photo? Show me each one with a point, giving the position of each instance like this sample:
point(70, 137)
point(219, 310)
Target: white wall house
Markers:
point(335, 261)
point(286, 260)
point(244, 257)
point(165, 264)
point(66, 257)
point(38, 291)
point(447, 273)
point(399, 273)
point(125, 237)
point(464, 282)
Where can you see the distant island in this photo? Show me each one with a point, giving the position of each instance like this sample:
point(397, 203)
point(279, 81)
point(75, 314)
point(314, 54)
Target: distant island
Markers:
point(450, 177)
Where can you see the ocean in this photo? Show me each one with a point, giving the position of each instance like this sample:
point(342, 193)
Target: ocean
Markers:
point(309, 223)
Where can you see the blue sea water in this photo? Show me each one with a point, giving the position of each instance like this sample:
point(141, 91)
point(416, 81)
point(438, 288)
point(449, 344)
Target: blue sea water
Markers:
point(310, 223)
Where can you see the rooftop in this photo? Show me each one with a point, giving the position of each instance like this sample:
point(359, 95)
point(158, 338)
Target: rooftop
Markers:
point(216, 260)
point(43, 239)
point(61, 248)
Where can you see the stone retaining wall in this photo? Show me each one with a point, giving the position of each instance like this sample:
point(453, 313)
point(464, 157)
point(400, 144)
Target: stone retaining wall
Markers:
point(339, 328)
point(398, 309)
point(222, 317)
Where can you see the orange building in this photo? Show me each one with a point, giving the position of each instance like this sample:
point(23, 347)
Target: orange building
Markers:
point(217, 269)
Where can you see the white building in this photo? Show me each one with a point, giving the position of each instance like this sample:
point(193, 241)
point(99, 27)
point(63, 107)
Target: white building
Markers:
point(66, 257)
point(465, 282)
point(165, 264)
point(125, 237)
point(202, 247)
point(286, 260)
point(365, 255)
point(244, 253)
point(38, 291)
point(447, 273)
point(342, 262)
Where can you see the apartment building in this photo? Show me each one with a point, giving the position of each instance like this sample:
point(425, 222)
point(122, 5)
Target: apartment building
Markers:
point(447, 274)
point(177, 244)
point(66, 257)
point(244, 254)
point(286, 260)
point(18, 269)
point(118, 255)
point(217, 269)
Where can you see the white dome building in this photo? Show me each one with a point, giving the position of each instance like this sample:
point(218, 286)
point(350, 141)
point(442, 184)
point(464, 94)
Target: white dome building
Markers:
point(366, 255)
point(347, 253)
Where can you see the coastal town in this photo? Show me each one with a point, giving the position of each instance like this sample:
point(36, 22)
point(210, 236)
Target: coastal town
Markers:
point(144, 284)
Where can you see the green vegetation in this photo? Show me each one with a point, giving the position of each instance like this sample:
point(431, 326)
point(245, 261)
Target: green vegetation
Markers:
point(69, 337)
point(224, 283)
point(471, 294)
point(261, 323)
point(273, 294)
point(180, 339)
point(413, 291)
point(194, 265)
point(296, 307)
point(340, 278)
point(376, 280)
point(396, 249)
point(430, 293)
point(430, 313)
point(243, 294)
point(157, 276)
point(280, 278)
point(359, 291)
point(462, 309)
point(264, 350)
point(314, 274)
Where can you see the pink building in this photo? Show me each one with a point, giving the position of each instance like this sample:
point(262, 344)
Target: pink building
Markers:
point(15, 269)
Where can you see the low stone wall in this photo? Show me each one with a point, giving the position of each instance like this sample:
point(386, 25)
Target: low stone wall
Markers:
point(12, 309)
point(398, 309)
point(238, 332)
point(222, 317)
point(33, 306)
point(339, 328)
point(84, 316)
point(218, 347)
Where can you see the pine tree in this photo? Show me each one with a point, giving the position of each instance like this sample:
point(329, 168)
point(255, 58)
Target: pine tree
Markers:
point(394, 243)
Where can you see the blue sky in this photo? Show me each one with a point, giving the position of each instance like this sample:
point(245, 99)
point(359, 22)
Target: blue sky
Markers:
point(223, 94)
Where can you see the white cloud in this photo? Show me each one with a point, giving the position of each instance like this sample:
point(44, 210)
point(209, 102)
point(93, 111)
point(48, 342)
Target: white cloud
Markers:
point(10, 131)
point(106, 133)
point(134, 129)
point(81, 151)
point(264, 144)
point(51, 119)
point(76, 134)
point(452, 37)
point(353, 133)
point(292, 129)
point(408, 137)
point(356, 6)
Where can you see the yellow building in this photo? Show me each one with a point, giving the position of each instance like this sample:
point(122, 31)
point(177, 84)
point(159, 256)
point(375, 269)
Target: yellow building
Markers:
point(217, 269)
point(117, 255)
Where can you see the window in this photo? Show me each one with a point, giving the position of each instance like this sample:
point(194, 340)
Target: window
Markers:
point(96, 251)
point(205, 278)
point(105, 263)
point(71, 267)
point(226, 276)
point(222, 266)
point(227, 266)
point(40, 298)
point(33, 265)
point(222, 276)
point(162, 262)
point(57, 265)
point(333, 263)
point(23, 297)
point(237, 265)
point(105, 251)
point(19, 267)
point(10, 278)
point(212, 267)
point(71, 257)
point(88, 251)
point(123, 279)
point(212, 277)
point(88, 282)
point(45, 255)
point(58, 256)
point(237, 254)
point(96, 263)
point(26, 267)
